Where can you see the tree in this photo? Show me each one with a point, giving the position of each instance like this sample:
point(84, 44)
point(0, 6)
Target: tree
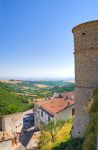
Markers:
point(53, 127)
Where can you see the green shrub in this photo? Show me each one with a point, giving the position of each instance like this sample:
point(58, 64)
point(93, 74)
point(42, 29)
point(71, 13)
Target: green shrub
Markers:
point(90, 139)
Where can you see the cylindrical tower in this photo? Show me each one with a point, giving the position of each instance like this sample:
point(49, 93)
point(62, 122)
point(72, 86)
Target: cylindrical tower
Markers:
point(86, 71)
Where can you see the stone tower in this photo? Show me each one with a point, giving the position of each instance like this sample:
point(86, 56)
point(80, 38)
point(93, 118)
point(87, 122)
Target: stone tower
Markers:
point(86, 71)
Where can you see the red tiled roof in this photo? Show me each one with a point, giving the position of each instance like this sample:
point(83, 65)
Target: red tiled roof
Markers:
point(55, 105)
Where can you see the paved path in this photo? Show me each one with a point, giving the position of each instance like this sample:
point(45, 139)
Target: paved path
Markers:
point(26, 142)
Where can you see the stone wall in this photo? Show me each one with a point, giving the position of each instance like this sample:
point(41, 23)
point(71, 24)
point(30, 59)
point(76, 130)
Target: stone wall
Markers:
point(86, 71)
point(12, 122)
point(37, 117)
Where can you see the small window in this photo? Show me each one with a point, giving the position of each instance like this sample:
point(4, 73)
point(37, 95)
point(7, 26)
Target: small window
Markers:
point(73, 111)
point(48, 118)
point(83, 33)
point(41, 113)
point(91, 47)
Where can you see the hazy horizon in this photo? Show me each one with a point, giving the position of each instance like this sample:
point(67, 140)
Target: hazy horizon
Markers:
point(39, 79)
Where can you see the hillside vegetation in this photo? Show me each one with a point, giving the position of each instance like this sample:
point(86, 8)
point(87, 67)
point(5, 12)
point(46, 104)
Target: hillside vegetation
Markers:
point(16, 96)
point(11, 103)
point(90, 140)
point(58, 137)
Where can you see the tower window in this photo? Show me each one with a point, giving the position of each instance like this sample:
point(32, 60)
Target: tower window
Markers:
point(83, 33)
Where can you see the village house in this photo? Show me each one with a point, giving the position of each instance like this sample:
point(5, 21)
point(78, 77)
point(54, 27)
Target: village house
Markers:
point(59, 107)
point(10, 127)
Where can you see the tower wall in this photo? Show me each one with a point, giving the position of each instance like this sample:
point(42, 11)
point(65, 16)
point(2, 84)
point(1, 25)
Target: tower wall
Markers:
point(86, 71)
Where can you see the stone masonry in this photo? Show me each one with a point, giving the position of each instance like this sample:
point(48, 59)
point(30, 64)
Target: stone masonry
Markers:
point(86, 71)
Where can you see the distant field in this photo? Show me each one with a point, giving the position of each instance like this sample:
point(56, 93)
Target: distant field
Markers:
point(41, 85)
point(10, 81)
point(25, 87)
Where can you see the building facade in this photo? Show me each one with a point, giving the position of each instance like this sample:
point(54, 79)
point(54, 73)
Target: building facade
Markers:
point(86, 72)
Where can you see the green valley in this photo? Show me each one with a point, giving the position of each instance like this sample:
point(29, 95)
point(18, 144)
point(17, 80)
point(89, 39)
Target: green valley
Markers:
point(16, 96)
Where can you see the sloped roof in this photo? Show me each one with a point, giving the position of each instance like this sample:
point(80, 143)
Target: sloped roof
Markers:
point(55, 105)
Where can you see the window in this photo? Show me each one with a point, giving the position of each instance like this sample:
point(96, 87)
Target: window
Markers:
point(41, 113)
point(48, 119)
point(91, 47)
point(83, 33)
point(73, 111)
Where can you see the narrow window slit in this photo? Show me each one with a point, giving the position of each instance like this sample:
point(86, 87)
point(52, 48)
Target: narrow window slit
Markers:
point(83, 33)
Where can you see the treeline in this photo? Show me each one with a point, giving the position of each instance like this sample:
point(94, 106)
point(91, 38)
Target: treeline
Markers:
point(68, 87)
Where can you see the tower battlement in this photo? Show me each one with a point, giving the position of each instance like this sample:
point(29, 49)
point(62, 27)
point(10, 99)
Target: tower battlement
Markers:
point(86, 24)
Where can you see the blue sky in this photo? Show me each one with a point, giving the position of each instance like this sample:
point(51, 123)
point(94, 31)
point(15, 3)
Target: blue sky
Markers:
point(36, 39)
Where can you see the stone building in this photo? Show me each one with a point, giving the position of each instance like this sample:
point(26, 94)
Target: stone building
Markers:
point(86, 71)
point(10, 127)
point(53, 109)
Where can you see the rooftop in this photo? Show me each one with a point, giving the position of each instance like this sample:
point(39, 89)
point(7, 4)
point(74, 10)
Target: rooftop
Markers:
point(55, 105)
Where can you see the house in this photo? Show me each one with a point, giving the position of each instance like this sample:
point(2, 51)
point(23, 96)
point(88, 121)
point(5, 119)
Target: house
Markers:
point(10, 128)
point(65, 95)
point(57, 108)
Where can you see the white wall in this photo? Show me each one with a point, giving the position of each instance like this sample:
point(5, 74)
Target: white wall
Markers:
point(44, 119)
point(38, 119)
